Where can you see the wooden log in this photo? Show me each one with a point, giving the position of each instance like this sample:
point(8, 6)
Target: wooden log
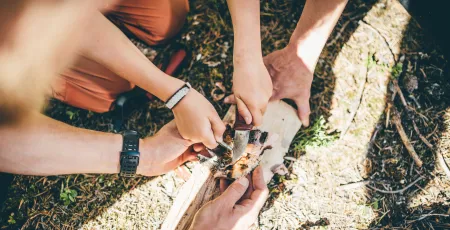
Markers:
point(280, 121)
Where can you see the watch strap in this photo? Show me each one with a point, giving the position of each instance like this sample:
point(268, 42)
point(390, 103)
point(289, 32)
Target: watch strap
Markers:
point(129, 157)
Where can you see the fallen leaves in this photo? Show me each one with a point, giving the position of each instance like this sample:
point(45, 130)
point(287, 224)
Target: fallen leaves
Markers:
point(218, 92)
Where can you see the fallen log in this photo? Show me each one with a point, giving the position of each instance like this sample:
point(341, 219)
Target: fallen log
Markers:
point(281, 123)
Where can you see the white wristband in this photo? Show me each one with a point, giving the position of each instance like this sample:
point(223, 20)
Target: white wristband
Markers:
point(177, 96)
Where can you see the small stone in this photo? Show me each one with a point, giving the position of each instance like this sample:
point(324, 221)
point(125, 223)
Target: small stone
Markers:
point(411, 82)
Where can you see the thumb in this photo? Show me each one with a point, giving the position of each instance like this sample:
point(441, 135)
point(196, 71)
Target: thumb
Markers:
point(234, 192)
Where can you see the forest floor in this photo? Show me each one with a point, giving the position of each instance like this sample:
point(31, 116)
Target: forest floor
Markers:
point(349, 170)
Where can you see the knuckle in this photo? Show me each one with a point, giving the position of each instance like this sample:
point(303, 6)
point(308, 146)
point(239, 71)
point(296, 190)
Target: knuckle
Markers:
point(243, 111)
point(185, 135)
point(237, 188)
point(222, 128)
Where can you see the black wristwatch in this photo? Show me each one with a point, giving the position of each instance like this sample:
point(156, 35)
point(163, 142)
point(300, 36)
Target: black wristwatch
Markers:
point(129, 157)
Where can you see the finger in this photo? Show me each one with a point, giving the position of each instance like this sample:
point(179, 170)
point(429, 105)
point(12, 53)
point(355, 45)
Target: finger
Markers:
point(303, 111)
point(218, 128)
point(230, 99)
point(198, 147)
point(250, 188)
point(258, 179)
point(257, 116)
point(234, 192)
point(207, 137)
point(207, 153)
point(244, 111)
point(224, 184)
point(187, 156)
point(259, 196)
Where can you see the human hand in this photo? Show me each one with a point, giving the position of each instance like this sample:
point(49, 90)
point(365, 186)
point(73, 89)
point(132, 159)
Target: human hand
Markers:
point(291, 78)
point(198, 121)
point(165, 151)
point(229, 210)
point(252, 88)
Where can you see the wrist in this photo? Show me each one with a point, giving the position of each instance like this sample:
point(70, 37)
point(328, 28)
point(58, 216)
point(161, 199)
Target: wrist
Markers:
point(165, 87)
point(145, 157)
point(111, 163)
point(247, 57)
point(307, 50)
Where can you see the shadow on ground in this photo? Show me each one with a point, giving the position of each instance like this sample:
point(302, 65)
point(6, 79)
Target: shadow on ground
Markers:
point(422, 74)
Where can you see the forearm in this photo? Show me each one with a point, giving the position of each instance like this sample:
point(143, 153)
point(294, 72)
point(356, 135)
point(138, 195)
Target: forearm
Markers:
point(107, 45)
point(43, 146)
point(314, 27)
point(245, 16)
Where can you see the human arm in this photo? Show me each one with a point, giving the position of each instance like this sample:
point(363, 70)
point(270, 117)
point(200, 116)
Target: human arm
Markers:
point(231, 210)
point(33, 49)
point(196, 118)
point(42, 146)
point(252, 86)
point(292, 68)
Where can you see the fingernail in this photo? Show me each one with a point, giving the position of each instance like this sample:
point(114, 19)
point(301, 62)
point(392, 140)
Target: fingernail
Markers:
point(247, 120)
point(243, 181)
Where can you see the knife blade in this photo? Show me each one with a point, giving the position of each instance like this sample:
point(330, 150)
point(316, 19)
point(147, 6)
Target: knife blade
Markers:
point(241, 137)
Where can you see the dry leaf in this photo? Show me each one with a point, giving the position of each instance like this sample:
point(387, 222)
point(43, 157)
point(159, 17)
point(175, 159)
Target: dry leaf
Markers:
point(218, 93)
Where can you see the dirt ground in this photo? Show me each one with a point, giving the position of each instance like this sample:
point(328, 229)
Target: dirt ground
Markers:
point(349, 170)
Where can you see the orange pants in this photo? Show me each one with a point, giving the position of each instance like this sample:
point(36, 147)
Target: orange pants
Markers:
point(91, 86)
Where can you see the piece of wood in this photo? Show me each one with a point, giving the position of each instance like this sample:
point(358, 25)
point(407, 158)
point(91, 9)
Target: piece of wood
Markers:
point(280, 121)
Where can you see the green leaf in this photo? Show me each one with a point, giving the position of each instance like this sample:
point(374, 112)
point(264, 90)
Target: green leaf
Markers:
point(70, 114)
point(375, 205)
point(11, 219)
point(397, 70)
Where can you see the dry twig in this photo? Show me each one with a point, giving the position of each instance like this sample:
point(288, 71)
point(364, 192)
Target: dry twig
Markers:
point(400, 93)
point(405, 140)
point(353, 185)
point(396, 191)
point(425, 141)
point(357, 104)
point(375, 30)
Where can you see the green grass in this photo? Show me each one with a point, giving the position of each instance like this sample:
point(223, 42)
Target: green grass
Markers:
point(68, 195)
point(314, 136)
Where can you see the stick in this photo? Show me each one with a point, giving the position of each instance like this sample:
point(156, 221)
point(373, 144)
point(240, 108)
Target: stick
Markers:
point(405, 140)
point(357, 104)
point(353, 185)
point(280, 121)
point(396, 191)
point(400, 93)
point(375, 30)
point(425, 141)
